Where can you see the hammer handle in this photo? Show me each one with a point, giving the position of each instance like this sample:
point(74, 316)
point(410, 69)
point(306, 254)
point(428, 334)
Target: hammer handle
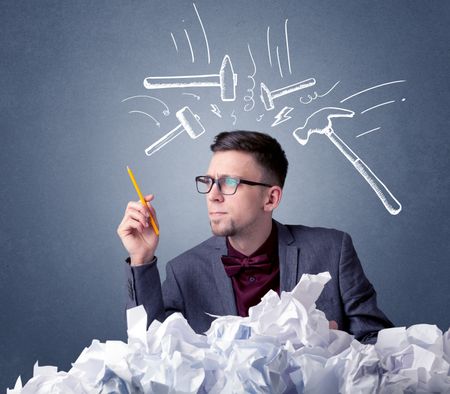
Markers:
point(165, 139)
point(182, 81)
point(387, 198)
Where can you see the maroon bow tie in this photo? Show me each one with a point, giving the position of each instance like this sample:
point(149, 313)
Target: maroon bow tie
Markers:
point(234, 265)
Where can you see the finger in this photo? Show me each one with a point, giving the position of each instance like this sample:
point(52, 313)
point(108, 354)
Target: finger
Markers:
point(144, 210)
point(142, 218)
point(136, 206)
point(151, 209)
point(131, 225)
point(153, 214)
point(149, 198)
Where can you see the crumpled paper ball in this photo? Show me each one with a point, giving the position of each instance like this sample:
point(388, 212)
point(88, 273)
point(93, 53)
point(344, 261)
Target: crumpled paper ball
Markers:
point(283, 346)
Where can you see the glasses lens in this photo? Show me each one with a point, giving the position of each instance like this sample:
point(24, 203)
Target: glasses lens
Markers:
point(228, 185)
point(203, 184)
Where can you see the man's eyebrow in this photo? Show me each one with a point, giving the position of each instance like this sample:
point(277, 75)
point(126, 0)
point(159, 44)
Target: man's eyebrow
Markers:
point(223, 176)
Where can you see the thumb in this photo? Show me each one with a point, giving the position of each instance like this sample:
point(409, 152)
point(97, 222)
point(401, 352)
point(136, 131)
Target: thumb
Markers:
point(149, 197)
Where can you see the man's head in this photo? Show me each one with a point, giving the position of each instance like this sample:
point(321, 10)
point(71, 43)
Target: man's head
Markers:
point(265, 150)
point(243, 184)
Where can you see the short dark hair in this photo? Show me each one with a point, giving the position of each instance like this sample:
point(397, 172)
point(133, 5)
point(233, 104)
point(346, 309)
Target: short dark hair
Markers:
point(265, 149)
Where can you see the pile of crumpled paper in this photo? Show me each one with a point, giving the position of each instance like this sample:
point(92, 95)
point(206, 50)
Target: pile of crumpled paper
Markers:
point(283, 346)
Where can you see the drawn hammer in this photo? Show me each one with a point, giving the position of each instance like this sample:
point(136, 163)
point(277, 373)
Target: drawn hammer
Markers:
point(320, 122)
point(226, 79)
point(189, 122)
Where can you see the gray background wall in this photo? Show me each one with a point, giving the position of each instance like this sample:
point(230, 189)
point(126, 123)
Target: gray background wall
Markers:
point(66, 138)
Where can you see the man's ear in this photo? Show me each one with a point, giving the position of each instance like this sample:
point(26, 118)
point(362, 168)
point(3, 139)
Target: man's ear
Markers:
point(273, 198)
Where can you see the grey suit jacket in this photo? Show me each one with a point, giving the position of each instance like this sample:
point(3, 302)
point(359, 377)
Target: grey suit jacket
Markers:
point(196, 282)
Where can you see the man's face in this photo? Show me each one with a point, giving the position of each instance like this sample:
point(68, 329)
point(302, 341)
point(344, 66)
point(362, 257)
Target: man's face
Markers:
point(243, 212)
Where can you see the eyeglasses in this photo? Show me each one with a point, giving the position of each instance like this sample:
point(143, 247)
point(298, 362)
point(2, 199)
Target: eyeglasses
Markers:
point(227, 185)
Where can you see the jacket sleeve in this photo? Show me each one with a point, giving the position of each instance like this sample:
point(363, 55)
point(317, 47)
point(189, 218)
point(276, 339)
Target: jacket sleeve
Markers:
point(144, 288)
point(173, 297)
point(359, 296)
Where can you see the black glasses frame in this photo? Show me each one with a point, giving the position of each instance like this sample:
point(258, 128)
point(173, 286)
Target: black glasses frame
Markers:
point(216, 181)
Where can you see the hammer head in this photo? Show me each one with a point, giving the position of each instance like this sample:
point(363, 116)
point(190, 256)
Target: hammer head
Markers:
point(266, 97)
point(190, 122)
point(227, 80)
point(320, 122)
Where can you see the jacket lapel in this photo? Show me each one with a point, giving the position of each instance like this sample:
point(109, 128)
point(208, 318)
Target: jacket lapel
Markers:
point(223, 283)
point(288, 254)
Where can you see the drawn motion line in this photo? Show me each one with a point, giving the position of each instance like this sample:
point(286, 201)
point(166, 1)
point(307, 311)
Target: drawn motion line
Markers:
point(192, 94)
point(233, 115)
point(166, 111)
point(226, 79)
point(373, 87)
point(320, 122)
point(174, 42)
point(279, 64)
point(249, 98)
point(268, 45)
point(190, 45)
point(204, 32)
point(287, 45)
point(367, 132)
point(316, 96)
point(145, 113)
point(376, 106)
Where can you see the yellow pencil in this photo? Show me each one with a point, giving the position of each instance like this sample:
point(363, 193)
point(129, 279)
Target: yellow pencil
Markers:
point(141, 197)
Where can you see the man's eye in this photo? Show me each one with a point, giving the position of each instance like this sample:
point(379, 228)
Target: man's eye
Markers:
point(231, 181)
point(206, 181)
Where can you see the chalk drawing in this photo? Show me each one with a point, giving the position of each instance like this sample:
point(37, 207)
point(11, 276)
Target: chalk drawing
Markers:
point(282, 116)
point(226, 79)
point(320, 122)
point(288, 55)
point(215, 110)
point(249, 98)
point(377, 106)
point(145, 113)
point(268, 45)
point(204, 33)
point(190, 45)
point(233, 115)
point(166, 111)
point(373, 87)
point(315, 95)
point(192, 94)
point(287, 45)
point(189, 122)
point(267, 96)
point(367, 132)
point(279, 64)
point(174, 41)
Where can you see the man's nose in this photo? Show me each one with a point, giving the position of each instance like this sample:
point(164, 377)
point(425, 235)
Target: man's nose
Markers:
point(215, 194)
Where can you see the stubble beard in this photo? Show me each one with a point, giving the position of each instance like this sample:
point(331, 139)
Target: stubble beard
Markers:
point(225, 230)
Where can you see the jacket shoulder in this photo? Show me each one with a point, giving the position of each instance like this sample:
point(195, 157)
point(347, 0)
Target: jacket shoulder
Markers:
point(198, 252)
point(315, 235)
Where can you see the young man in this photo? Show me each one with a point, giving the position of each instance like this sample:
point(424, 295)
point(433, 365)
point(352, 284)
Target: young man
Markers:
point(250, 253)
